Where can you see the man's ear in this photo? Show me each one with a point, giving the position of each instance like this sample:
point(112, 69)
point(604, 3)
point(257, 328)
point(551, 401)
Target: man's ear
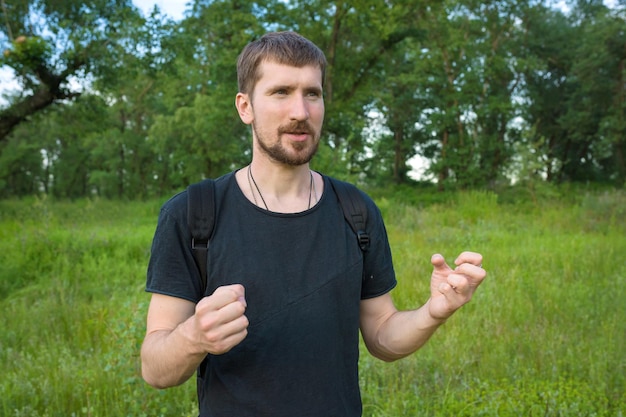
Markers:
point(244, 108)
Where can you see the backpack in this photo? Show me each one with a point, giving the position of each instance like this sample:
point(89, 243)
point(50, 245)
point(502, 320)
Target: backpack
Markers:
point(201, 209)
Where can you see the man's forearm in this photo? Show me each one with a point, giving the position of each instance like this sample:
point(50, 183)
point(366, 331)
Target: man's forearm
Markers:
point(403, 333)
point(167, 358)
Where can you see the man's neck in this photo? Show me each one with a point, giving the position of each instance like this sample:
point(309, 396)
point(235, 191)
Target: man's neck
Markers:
point(282, 189)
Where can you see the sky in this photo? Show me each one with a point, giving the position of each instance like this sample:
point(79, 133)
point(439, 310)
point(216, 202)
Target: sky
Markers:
point(172, 8)
point(175, 8)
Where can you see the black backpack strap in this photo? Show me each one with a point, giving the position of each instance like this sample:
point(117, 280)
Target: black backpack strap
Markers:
point(201, 219)
point(354, 210)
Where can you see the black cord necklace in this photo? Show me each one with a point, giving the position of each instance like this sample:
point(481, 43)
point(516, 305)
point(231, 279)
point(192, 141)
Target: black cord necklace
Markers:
point(250, 177)
point(252, 181)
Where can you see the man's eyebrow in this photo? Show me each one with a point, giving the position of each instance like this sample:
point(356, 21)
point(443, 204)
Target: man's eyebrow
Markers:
point(314, 89)
point(277, 87)
point(289, 87)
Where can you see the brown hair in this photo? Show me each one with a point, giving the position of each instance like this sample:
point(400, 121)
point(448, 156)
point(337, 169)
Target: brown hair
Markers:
point(288, 48)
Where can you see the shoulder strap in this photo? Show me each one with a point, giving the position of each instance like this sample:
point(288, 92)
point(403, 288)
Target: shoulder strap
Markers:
point(200, 220)
point(354, 210)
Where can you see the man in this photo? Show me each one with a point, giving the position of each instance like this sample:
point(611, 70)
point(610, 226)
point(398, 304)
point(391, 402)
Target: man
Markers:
point(276, 332)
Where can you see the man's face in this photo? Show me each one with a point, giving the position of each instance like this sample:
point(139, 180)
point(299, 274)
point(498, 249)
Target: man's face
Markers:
point(286, 112)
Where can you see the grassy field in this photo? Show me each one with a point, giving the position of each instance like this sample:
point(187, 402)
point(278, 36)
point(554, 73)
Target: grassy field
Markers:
point(544, 336)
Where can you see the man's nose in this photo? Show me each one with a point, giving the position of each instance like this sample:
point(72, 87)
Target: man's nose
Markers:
point(299, 109)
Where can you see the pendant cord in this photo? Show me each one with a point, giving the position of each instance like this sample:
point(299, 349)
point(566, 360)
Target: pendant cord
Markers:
point(314, 190)
point(251, 177)
point(310, 189)
point(251, 181)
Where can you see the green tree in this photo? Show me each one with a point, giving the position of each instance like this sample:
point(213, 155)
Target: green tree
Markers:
point(547, 63)
point(493, 82)
point(594, 119)
point(136, 91)
point(574, 80)
point(50, 155)
point(359, 39)
point(467, 78)
point(201, 135)
point(398, 102)
point(21, 168)
point(444, 63)
point(463, 83)
point(47, 43)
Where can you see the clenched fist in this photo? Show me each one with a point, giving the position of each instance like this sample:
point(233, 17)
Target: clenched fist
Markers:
point(219, 321)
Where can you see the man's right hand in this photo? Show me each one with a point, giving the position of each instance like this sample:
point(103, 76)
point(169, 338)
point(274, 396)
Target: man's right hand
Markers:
point(219, 321)
point(180, 333)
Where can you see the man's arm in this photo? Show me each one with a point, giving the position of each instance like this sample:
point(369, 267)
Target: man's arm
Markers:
point(180, 333)
point(390, 334)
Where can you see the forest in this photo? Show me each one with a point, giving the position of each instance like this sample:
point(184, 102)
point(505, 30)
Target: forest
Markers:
point(113, 103)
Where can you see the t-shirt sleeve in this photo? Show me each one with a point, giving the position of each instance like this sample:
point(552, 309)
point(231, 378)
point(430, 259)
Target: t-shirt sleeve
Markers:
point(378, 273)
point(172, 270)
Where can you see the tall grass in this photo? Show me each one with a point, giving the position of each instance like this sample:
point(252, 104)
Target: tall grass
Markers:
point(544, 335)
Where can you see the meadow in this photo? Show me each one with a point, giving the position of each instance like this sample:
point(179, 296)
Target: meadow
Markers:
point(545, 335)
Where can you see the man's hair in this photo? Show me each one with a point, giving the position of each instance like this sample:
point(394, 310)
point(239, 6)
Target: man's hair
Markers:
point(287, 48)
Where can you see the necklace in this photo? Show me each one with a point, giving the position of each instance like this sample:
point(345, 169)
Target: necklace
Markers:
point(312, 187)
point(250, 177)
point(251, 181)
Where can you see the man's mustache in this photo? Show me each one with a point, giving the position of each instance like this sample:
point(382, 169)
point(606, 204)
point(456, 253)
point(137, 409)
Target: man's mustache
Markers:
point(296, 127)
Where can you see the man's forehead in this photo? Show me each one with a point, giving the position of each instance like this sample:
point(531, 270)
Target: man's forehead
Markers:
point(274, 71)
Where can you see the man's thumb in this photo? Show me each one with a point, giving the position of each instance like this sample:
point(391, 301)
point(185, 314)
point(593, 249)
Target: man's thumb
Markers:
point(439, 262)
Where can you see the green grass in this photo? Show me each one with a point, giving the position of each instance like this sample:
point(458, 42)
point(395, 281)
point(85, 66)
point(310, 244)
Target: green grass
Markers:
point(544, 336)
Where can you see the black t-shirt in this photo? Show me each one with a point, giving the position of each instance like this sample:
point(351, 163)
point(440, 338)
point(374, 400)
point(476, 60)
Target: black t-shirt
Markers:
point(304, 276)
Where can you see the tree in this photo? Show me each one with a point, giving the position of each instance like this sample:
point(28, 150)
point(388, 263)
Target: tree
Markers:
point(201, 135)
point(547, 62)
point(444, 66)
point(359, 38)
point(594, 119)
point(137, 91)
point(48, 43)
point(575, 91)
point(495, 80)
point(120, 105)
point(21, 167)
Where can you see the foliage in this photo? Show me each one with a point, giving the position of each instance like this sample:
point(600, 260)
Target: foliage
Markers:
point(544, 334)
point(578, 91)
point(46, 43)
point(488, 93)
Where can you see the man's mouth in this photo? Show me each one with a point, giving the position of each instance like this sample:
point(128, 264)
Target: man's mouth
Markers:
point(298, 136)
point(299, 132)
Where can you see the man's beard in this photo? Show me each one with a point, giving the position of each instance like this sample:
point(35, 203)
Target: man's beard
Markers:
point(277, 152)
